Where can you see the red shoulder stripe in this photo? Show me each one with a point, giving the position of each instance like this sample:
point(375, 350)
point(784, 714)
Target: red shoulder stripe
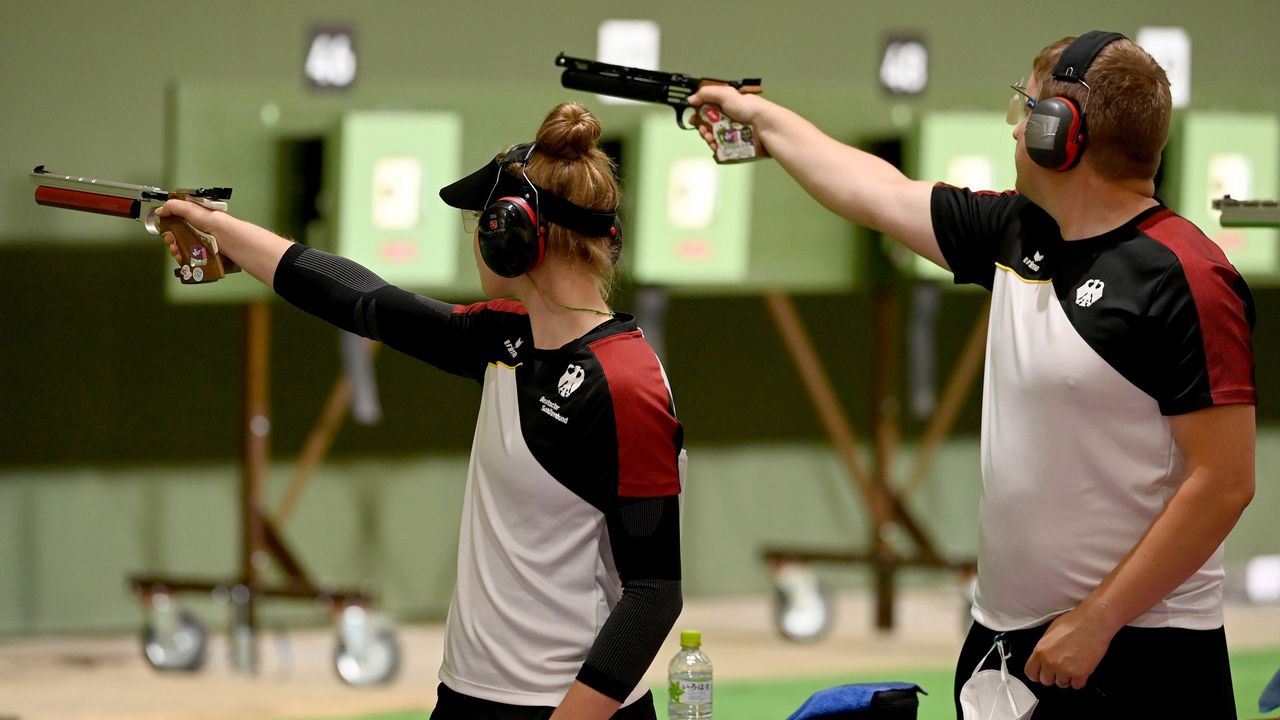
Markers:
point(508, 306)
point(647, 454)
point(996, 193)
point(1224, 325)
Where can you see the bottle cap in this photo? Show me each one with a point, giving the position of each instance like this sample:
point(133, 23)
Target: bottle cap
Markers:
point(691, 638)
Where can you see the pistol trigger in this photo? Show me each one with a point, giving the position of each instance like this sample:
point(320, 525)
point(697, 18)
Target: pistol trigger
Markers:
point(680, 111)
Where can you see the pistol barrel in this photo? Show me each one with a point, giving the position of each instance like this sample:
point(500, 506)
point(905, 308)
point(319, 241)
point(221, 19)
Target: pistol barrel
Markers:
point(87, 201)
point(91, 185)
point(616, 86)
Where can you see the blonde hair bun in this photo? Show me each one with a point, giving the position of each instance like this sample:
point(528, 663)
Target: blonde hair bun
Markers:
point(569, 132)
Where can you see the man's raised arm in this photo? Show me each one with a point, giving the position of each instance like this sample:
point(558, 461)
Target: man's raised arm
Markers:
point(854, 184)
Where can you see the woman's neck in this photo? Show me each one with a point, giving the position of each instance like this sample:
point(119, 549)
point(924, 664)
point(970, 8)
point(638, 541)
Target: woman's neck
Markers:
point(563, 306)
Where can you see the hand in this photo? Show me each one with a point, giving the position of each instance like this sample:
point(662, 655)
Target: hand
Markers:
point(583, 702)
point(743, 107)
point(197, 216)
point(1070, 650)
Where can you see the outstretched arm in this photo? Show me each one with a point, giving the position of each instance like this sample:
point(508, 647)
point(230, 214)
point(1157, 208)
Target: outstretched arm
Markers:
point(854, 184)
point(341, 292)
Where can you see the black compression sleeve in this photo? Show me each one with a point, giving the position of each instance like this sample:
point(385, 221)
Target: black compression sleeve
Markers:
point(631, 637)
point(645, 535)
point(351, 297)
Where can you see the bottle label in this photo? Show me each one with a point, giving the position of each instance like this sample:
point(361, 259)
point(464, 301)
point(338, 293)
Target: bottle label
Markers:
point(688, 692)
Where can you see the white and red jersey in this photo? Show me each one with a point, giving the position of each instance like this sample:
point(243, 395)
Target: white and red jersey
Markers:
point(1092, 344)
point(569, 548)
point(562, 437)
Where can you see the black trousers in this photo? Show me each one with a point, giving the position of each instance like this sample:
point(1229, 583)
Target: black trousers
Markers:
point(1146, 673)
point(452, 705)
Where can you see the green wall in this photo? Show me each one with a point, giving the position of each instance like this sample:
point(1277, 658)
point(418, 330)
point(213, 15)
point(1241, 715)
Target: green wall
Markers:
point(106, 466)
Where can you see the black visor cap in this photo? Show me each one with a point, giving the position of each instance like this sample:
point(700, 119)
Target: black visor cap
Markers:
point(477, 190)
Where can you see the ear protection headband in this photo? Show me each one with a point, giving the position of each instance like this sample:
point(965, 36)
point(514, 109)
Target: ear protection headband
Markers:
point(512, 230)
point(1055, 131)
point(513, 239)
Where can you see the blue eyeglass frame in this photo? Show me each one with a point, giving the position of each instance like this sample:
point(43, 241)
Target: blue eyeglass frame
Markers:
point(1012, 115)
point(1031, 102)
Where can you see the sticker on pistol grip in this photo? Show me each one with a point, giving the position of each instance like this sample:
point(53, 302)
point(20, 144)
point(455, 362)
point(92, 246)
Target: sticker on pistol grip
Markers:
point(199, 255)
point(735, 141)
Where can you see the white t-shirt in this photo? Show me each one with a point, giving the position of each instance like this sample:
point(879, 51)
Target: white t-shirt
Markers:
point(1092, 344)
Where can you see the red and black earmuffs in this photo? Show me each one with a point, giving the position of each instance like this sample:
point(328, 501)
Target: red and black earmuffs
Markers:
point(512, 230)
point(1055, 132)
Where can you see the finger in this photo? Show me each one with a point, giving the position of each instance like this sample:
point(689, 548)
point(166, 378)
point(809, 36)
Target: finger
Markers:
point(705, 94)
point(181, 208)
point(1078, 681)
point(1041, 671)
point(172, 243)
point(698, 98)
point(1032, 668)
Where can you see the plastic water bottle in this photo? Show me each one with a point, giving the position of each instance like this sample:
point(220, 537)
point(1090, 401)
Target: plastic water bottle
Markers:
point(689, 675)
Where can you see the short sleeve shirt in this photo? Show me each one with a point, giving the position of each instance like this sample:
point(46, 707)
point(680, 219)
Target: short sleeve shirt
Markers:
point(563, 436)
point(1092, 344)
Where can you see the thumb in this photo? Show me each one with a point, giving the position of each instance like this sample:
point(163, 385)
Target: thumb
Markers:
point(705, 94)
point(181, 208)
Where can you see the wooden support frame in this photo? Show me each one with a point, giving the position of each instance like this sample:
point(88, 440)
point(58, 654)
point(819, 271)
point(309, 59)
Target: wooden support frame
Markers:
point(886, 507)
point(260, 540)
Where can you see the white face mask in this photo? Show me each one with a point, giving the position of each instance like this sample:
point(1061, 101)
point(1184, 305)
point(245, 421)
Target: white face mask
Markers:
point(994, 695)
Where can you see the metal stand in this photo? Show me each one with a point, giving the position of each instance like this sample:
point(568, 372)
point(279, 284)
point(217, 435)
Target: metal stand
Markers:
point(1248, 213)
point(1254, 213)
point(803, 610)
point(168, 648)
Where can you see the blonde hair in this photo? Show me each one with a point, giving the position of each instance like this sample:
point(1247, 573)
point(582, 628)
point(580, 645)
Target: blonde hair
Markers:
point(1127, 107)
point(570, 164)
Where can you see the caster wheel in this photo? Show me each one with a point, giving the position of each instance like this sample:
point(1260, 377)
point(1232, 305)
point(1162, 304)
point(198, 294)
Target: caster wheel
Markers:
point(174, 642)
point(803, 605)
point(366, 651)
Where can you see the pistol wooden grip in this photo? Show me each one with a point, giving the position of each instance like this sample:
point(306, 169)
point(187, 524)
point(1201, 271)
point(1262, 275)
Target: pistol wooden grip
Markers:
point(735, 141)
point(200, 262)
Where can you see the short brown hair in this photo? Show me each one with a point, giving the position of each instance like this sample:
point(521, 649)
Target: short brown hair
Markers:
point(1127, 107)
point(569, 163)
